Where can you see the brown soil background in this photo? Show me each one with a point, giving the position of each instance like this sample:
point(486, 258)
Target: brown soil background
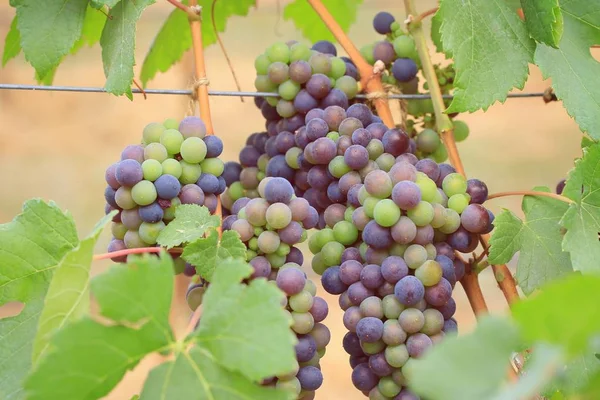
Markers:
point(57, 145)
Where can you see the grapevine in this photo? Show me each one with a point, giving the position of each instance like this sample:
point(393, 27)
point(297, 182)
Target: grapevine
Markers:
point(353, 183)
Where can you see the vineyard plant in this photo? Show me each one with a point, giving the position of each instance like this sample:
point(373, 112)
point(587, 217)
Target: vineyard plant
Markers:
point(358, 159)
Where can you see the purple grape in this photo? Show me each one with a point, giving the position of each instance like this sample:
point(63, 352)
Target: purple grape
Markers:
point(409, 290)
point(395, 142)
point(334, 214)
point(335, 97)
point(417, 344)
point(261, 267)
point(560, 186)
point(450, 326)
point(357, 292)
point(207, 182)
point(352, 195)
point(295, 256)
point(352, 71)
point(228, 221)
point(393, 269)
point(351, 253)
point(304, 102)
point(109, 196)
point(292, 233)
point(300, 71)
point(406, 394)
point(377, 236)
point(335, 194)
point(270, 147)
point(351, 318)
point(445, 170)
point(278, 167)
point(363, 378)
point(371, 277)
point(478, 191)
point(351, 344)
point(348, 180)
point(211, 202)
point(318, 86)
point(278, 190)
point(249, 156)
point(306, 348)
point(325, 47)
point(239, 204)
point(384, 51)
point(311, 220)
point(373, 256)
point(110, 176)
point(459, 268)
point(319, 309)
point(350, 271)
point(294, 123)
point(191, 194)
point(424, 235)
point(323, 150)
point(319, 177)
point(447, 309)
point(475, 218)
point(334, 115)
point(382, 23)
point(438, 294)
point(406, 195)
point(129, 172)
point(310, 378)
point(411, 159)
point(231, 172)
point(448, 271)
point(444, 249)
point(312, 114)
point(331, 281)
point(151, 213)
point(291, 280)
point(189, 270)
point(214, 146)
point(379, 365)
point(377, 130)
point(463, 241)
point(404, 69)
point(316, 128)
point(360, 112)
point(429, 168)
point(192, 126)
point(356, 156)
point(117, 245)
point(269, 112)
point(133, 152)
point(369, 329)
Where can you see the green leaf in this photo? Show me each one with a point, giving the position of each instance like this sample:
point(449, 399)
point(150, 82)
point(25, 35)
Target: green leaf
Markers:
point(12, 43)
point(551, 316)
point(92, 29)
point(87, 358)
point(207, 253)
point(586, 142)
point(469, 367)
point(197, 375)
point(171, 42)
point(31, 247)
point(68, 296)
point(244, 323)
point(312, 27)
point(101, 3)
point(513, 4)
point(582, 219)
point(539, 238)
point(436, 35)
point(544, 20)
point(49, 32)
point(118, 45)
point(491, 50)
point(577, 375)
point(191, 222)
point(572, 68)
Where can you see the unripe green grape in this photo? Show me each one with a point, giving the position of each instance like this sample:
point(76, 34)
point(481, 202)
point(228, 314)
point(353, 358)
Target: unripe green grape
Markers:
point(178, 265)
point(172, 140)
point(317, 264)
point(314, 361)
point(278, 215)
point(398, 249)
point(439, 216)
point(283, 249)
point(301, 302)
point(253, 244)
point(155, 151)
point(458, 202)
point(320, 63)
point(431, 251)
point(386, 213)
point(429, 273)
point(313, 243)
point(362, 195)
point(133, 240)
point(189, 172)
point(333, 135)
point(171, 123)
point(261, 64)
point(369, 206)
point(288, 90)
point(321, 352)
point(124, 199)
point(236, 190)
point(386, 161)
point(213, 166)
point(348, 215)
point(454, 183)
point(415, 255)
point(372, 348)
point(169, 212)
point(375, 394)
point(250, 254)
point(363, 250)
point(422, 214)
point(292, 385)
point(375, 149)
point(278, 52)
point(152, 132)
point(367, 52)
point(452, 222)
point(291, 157)
point(143, 193)
point(272, 100)
point(332, 253)
point(193, 150)
point(149, 231)
point(300, 51)
point(268, 242)
point(152, 170)
point(392, 307)
point(338, 167)
point(345, 232)
point(262, 83)
point(257, 229)
point(325, 236)
point(275, 260)
point(171, 167)
point(118, 230)
point(428, 140)
point(396, 356)
point(440, 154)
point(348, 85)
point(404, 47)
point(388, 387)
point(461, 130)
point(434, 322)
point(285, 108)
point(310, 287)
point(338, 68)
point(303, 322)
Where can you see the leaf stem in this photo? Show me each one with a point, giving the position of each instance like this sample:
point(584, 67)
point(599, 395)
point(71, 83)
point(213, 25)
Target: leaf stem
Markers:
point(470, 283)
point(531, 193)
point(369, 80)
point(140, 250)
point(425, 14)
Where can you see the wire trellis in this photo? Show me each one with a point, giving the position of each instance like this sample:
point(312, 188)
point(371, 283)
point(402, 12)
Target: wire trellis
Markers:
point(222, 93)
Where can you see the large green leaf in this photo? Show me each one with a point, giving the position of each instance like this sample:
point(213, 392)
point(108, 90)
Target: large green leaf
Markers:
point(87, 358)
point(311, 25)
point(191, 222)
point(206, 254)
point(582, 219)
point(197, 375)
point(491, 50)
point(538, 238)
point(92, 29)
point(118, 45)
point(244, 323)
point(49, 32)
point(31, 248)
point(544, 20)
point(12, 43)
point(572, 68)
point(68, 296)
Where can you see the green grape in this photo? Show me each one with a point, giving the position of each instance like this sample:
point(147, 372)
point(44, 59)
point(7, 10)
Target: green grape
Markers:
point(396, 356)
point(434, 322)
point(422, 214)
point(313, 243)
point(152, 170)
point(275, 260)
point(193, 150)
point(285, 108)
point(236, 190)
point(171, 167)
point(452, 222)
point(309, 286)
point(427, 186)
point(363, 250)
point(362, 195)
point(413, 107)
point(283, 249)
point(278, 52)
point(152, 132)
point(333, 135)
point(169, 212)
point(345, 233)
point(325, 236)
point(172, 140)
point(178, 265)
point(318, 265)
point(257, 229)
point(338, 68)
point(155, 151)
point(429, 273)
point(332, 253)
point(386, 213)
point(149, 232)
point(301, 302)
point(415, 255)
point(268, 242)
point(213, 166)
point(291, 157)
point(302, 323)
point(454, 183)
point(348, 214)
point(132, 240)
point(118, 230)
point(373, 348)
point(431, 251)
point(375, 149)
point(396, 28)
point(392, 307)
point(398, 249)
point(428, 140)
point(439, 215)
point(288, 90)
point(367, 52)
point(171, 123)
point(386, 161)
point(461, 130)
point(262, 83)
point(253, 244)
point(189, 172)
point(369, 206)
point(143, 193)
point(261, 64)
point(314, 361)
point(124, 199)
point(440, 154)
point(278, 215)
point(320, 63)
point(398, 377)
point(348, 85)
point(371, 307)
point(458, 202)
point(404, 47)
point(388, 387)
point(300, 51)
point(337, 167)
point(291, 385)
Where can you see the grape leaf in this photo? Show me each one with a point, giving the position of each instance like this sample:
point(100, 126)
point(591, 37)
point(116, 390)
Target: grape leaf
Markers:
point(197, 375)
point(191, 222)
point(491, 50)
point(311, 25)
point(49, 32)
point(582, 219)
point(436, 35)
point(12, 43)
point(513, 4)
point(101, 3)
point(538, 238)
point(577, 375)
point(31, 247)
point(572, 68)
point(544, 20)
point(242, 324)
point(68, 296)
point(92, 29)
point(207, 253)
point(123, 294)
point(550, 316)
point(469, 367)
point(118, 45)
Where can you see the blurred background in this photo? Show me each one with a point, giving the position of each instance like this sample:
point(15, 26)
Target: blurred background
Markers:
point(56, 146)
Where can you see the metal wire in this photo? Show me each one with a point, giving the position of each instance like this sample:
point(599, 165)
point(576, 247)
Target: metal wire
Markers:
point(187, 92)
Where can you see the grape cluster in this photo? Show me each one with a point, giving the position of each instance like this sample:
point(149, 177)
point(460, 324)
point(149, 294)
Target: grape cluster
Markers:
point(176, 163)
point(270, 225)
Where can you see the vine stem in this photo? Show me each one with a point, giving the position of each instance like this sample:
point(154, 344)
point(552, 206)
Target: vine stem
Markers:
point(369, 80)
point(425, 14)
point(531, 193)
point(141, 250)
